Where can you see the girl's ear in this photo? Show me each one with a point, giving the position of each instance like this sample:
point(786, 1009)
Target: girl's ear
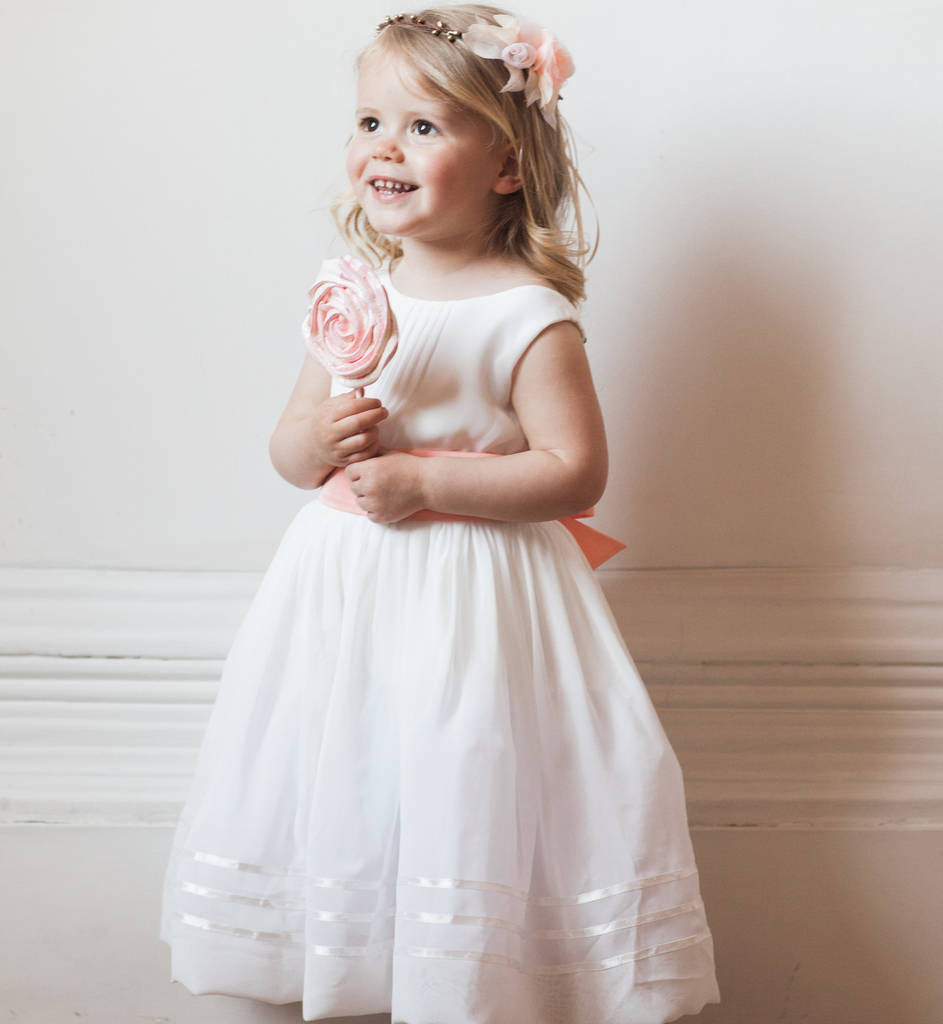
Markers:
point(509, 178)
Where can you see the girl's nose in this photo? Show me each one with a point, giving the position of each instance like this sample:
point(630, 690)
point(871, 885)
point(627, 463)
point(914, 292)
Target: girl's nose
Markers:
point(386, 149)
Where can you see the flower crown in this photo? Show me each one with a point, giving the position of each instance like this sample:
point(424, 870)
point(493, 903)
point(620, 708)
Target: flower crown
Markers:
point(537, 64)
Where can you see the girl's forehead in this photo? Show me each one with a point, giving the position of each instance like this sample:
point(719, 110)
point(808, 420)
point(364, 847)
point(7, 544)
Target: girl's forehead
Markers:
point(383, 72)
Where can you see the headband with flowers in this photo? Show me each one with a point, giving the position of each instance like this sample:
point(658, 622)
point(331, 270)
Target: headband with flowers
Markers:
point(537, 63)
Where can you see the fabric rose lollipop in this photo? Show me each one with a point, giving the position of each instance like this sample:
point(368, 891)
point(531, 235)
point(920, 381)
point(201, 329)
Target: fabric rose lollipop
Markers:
point(350, 328)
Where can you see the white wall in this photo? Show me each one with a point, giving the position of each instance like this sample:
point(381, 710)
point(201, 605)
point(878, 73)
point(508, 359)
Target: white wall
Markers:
point(764, 322)
point(763, 312)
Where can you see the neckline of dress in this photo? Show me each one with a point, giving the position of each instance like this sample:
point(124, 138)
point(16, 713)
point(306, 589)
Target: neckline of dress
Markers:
point(467, 298)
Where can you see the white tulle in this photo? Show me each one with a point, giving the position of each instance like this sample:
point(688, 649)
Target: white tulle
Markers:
point(433, 783)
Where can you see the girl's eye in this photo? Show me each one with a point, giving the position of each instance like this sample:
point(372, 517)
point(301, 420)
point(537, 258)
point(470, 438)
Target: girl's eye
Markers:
point(369, 124)
point(424, 128)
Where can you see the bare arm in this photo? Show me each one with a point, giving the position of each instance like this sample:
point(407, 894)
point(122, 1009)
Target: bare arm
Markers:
point(564, 471)
point(317, 433)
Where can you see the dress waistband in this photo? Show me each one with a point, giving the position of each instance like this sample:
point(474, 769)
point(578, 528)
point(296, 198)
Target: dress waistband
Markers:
point(598, 547)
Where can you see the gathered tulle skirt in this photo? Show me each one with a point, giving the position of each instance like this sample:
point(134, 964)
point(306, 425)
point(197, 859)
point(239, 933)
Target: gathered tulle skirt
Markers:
point(433, 784)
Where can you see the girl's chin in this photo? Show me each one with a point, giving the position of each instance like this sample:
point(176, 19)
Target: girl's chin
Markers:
point(385, 223)
point(378, 225)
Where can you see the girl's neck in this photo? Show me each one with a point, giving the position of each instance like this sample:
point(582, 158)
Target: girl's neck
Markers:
point(443, 273)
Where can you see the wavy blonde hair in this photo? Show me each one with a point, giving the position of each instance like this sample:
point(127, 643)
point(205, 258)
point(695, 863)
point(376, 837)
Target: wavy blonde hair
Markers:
point(541, 223)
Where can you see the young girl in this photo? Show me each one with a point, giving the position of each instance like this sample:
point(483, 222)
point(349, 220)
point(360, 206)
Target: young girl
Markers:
point(433, 783)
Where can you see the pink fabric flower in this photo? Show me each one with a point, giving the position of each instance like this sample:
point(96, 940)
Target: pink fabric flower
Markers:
point(519, 55)
point(551, 69)
point(489, 40)
point(350, 328)
point(536, 62)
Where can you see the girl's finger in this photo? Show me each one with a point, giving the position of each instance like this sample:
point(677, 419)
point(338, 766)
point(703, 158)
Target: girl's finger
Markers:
point(361, 421)
point(347, 405)
point(361, 456)
point(357, 442)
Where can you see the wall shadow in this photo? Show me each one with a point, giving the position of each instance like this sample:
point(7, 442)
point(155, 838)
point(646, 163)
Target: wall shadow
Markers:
point(729, 410)
point(739, 412)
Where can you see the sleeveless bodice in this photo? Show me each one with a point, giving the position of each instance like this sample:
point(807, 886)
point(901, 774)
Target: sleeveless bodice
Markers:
point(448, 385)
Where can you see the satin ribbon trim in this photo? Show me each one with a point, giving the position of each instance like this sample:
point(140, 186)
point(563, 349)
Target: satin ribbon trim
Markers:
point(353, 884)
point(268, 903)
point(570, 968)
point(552, 901)
point(288, 904)
point(618, 925)
point(373, 948)
point(282, 938)
point(337, 916)
point(421, 881)
point(201, 857)
point(597, 546)
point(615, 890)
point(297, 939)
point(215, 861)
point(297, 906)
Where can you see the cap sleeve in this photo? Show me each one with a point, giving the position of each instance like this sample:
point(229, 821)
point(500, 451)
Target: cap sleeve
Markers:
point(530, 311)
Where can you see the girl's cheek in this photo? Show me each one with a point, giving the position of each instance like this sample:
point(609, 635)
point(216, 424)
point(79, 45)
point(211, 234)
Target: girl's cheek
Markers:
point(354, 162)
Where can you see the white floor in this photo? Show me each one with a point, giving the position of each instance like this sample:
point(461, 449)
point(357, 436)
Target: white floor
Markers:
point(810, 928)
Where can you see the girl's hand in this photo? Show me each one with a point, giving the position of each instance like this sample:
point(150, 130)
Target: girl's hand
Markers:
point(388, 488)
point(345, 429)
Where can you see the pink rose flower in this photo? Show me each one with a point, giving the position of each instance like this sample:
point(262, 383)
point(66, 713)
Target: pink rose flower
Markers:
point(349, 327)
point(535, 60)
point(519, 55)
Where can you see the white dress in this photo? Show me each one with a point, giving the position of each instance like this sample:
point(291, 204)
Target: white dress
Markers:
point(433, 783)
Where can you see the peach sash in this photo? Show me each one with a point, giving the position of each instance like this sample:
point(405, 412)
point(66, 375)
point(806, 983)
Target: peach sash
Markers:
point(598, 547)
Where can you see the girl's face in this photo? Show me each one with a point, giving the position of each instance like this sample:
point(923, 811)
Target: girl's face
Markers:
point(420, 169)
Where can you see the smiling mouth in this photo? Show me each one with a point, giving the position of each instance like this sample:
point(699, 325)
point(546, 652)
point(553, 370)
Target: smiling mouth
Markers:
point(389, 187)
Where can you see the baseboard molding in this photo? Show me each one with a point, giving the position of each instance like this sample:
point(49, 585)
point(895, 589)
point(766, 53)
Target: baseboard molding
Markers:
point(794, 698)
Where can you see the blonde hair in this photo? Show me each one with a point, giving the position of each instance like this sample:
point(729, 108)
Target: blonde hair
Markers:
point(541, 223)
